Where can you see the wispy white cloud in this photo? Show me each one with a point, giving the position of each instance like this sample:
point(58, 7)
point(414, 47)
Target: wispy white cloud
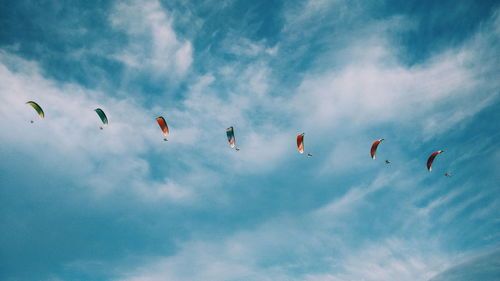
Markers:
point(474, 266)
point(375, 88)
point(154, 47)
point(394, 259)
point(244, 47)
point(308, 247)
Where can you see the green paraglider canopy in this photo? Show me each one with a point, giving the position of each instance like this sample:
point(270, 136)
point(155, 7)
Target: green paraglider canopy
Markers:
point(38, 109)
point(103, 117)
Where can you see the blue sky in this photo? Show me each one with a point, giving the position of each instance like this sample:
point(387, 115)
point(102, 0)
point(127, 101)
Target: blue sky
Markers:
point(120, 204)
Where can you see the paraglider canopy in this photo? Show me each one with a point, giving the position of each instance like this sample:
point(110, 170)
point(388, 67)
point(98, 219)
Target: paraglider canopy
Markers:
point(373, 150)
point(163, 126)
point(431, 159)
point(230, 137)
point(300, 143)
point(103, 117)
point(38, 109)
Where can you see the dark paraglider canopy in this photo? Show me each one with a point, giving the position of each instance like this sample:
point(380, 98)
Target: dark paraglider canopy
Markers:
point(103, 117)
point(231, 138)
point(431, 159)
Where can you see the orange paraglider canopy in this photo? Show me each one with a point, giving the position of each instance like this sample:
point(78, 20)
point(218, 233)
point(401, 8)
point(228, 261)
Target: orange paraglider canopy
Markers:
point(300, 143)
point(163, 125)
point(373, 150)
